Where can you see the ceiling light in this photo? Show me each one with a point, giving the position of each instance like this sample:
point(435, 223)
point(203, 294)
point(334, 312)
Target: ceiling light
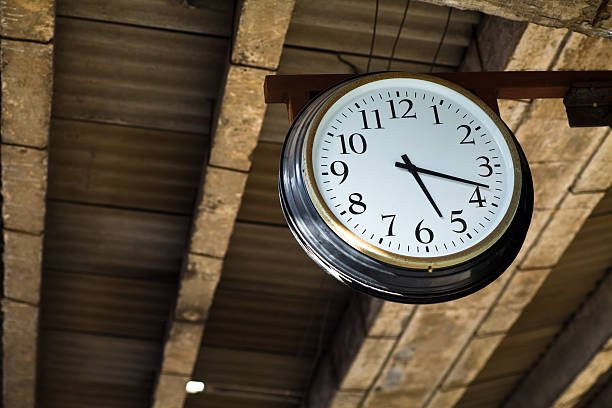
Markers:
point(194, 387)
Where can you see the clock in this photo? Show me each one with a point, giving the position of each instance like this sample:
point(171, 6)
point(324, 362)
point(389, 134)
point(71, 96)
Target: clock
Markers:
point(406, 187)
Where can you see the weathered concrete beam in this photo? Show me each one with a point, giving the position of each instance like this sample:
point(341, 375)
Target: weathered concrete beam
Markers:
point(576, 368)
point(238, 119)
point(603, 398)
point(424, 369)
point(365, 336)
point(19, 340)
point(32, 20)
point(588, 17)
point(27, 83)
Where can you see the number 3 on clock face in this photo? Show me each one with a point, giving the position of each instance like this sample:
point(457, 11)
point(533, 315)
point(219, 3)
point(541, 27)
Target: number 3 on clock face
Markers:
point(412, 172)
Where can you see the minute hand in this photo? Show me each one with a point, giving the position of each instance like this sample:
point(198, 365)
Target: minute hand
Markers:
point(446, 176)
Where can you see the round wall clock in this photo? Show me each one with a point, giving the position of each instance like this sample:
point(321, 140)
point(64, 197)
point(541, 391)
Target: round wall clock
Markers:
point(406, 187)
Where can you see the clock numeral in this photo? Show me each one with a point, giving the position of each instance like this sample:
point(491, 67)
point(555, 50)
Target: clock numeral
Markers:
point(458, 220)
point(351, 142)
point(435, 111)
point(390, 231)
point(357, 206)
point(485, 165)
point(468, 130)
point(419, 232)
point(362, 147)
point(405, 115)
point(477, 198)
point(344, 167)
point(365, 119)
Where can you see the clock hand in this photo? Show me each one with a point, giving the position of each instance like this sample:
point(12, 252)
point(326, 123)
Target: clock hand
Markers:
point(411, 168)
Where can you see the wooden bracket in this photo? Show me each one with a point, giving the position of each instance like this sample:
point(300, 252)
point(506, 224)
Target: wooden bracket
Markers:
point(297, 90)
point(589, 104)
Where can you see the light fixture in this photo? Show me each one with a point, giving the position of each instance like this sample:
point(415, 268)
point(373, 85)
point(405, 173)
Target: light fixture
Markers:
point(194, 387)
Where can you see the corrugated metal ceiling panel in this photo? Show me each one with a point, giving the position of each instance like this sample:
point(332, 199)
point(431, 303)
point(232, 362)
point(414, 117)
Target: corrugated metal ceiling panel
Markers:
point(346, 26)
point(84, 370)
point(197, 16)
point(254, 368)
point(272, 297)
point(114, 242)
point(141, 77)
point(125, 166)
point(233, 399)
point(261, 202)
point(104, 305)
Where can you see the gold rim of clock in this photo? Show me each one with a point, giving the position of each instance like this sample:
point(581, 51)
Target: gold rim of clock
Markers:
point(381, 254)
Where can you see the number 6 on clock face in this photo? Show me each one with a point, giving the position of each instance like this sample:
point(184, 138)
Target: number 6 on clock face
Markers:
point(410, 171)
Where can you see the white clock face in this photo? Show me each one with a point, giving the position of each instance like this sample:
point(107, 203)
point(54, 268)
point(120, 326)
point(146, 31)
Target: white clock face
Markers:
point(412, 172)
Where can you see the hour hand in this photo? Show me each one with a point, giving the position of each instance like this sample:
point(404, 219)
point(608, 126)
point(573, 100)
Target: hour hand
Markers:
point(411, 168)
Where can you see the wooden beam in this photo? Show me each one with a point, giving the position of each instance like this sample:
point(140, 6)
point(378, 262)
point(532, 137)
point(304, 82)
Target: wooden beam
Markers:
point(238, 119)
point(26, 55)
point(575, 368)
point(588, 17)
point(506, 85)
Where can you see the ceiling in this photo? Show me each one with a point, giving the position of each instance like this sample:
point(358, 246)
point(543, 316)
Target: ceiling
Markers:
point(136, 88)
point(133, 99)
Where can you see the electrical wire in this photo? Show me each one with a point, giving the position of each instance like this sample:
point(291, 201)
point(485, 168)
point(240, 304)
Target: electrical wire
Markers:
point(399, 33)
point(450, 10)
point(373, 37)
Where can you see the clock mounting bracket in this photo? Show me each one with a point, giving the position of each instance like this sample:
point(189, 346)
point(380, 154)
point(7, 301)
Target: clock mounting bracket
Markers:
point(587, 94)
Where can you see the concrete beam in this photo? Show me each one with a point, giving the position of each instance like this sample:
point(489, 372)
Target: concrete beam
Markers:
point(27, 84)
point(365, 336)
point(588, 17)
point(576, 368)
point(238, 119)
point(19, 340)
point(424, 369)
point(32, 20)
point(603, 398)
